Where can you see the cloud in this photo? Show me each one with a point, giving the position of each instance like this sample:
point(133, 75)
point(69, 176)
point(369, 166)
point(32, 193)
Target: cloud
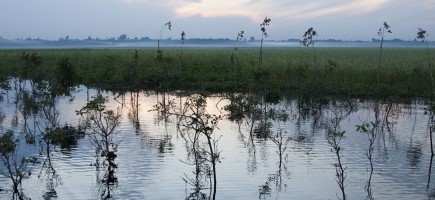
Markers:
point(258, 9)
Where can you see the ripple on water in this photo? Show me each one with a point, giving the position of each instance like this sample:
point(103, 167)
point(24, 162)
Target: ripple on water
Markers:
point(151, 159)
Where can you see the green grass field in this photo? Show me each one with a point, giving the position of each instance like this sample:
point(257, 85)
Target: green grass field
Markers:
point(340, 71)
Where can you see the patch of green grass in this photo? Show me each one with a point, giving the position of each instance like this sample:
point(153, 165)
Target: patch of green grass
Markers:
point(341, 71)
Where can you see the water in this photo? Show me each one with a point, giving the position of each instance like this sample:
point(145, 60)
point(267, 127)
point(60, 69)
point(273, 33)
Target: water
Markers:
point(152, 156)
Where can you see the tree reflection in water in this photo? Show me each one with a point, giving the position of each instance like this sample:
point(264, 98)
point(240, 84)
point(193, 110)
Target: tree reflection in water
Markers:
point(103, 125)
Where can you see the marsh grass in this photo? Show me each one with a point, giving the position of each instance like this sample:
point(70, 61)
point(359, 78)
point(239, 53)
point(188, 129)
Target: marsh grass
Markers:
point(205, 69)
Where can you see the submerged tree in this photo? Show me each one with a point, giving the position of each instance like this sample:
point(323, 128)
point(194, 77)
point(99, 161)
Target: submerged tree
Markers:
point(197, 121)
point(103, 130)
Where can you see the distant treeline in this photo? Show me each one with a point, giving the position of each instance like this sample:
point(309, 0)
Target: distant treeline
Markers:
point(125, 39)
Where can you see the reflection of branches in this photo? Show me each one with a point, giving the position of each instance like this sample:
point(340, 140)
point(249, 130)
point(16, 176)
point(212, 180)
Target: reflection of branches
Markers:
point(281, 141)
point(133, 115)
point(47, 169)
point(371, 130)
point(15, 166)
point(334, 137)
point(429, 173)
point(163, 108)
point(104, 124)
point(277, 178)
point(197, 122)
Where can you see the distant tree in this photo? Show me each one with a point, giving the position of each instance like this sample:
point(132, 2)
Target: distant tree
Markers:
point(89, 38)
point(252, 38)
point(122, 37)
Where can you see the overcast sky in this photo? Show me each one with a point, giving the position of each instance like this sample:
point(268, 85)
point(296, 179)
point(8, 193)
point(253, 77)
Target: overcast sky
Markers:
point(336, 19)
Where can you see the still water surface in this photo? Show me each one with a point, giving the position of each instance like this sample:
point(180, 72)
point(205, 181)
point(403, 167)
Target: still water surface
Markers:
point(152, 155)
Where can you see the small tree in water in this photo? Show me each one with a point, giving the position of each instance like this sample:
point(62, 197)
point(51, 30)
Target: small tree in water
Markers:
point(198, 121)
point(103, 129)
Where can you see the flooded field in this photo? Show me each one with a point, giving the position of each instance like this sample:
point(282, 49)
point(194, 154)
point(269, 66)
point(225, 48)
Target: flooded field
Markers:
point(193, 147)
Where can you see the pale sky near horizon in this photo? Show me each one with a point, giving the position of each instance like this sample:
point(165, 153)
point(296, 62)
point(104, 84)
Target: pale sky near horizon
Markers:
point(332, 19)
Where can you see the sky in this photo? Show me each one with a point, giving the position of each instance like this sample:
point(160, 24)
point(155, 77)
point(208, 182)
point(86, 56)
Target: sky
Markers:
point(332, 19)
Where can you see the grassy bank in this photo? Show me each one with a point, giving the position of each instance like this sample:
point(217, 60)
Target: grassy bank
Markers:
point(340, 71)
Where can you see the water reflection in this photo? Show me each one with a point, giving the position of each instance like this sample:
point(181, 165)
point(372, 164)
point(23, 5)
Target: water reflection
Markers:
point(168, 148)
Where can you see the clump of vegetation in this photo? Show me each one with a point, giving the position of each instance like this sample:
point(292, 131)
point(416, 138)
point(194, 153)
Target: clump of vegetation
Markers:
point(65, 136)
point(206, 70)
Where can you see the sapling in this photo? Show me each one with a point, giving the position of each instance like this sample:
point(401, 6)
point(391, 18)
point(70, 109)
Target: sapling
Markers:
point(169, 25)
point(308, 39)
point(334, 137)
point(202, 124)
point(369, 129)
point(421, 35)
point(239, 37)
point(104, 124)
point(382, 32)
point(264, 34)
point(183, 38)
